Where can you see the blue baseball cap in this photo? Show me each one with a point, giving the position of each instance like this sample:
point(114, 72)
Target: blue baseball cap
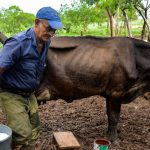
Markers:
point(51, 15)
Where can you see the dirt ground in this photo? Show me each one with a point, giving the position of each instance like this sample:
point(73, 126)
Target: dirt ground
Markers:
point(87, 120)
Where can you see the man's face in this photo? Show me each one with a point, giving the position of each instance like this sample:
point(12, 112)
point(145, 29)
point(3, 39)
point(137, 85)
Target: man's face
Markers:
point(43, 31)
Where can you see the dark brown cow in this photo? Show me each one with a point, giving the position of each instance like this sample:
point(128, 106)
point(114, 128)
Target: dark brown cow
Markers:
point(116, 68)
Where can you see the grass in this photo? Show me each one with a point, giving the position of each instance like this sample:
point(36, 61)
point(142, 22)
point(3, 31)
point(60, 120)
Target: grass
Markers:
point(102, 30)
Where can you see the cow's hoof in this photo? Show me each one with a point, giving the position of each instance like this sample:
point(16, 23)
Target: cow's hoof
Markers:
point(116, 142)
point(42, 102)
point(113, 138)
point(112, 135)
point(147, 96)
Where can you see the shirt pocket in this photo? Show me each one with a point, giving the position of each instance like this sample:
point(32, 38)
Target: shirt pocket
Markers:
point(29, 66)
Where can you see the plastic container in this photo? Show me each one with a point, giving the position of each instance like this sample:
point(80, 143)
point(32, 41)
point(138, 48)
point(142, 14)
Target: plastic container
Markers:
point(101, 144)
point(6, 137)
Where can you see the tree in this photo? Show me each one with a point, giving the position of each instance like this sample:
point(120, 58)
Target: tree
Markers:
point(78, 16)
point(142, 6)
point(111, 8)
point(14, 20)
point(125, 4)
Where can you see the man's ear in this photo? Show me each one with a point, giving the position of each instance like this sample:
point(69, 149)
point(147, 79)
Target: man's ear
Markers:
point(37, 21)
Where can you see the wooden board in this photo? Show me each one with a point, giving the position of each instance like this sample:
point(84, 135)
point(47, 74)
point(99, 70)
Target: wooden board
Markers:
point(66, 140)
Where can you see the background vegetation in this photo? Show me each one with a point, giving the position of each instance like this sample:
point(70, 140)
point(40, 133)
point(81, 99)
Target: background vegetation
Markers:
point(89, 17)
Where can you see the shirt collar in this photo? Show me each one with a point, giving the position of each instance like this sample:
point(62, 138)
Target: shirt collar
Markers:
point(33, 37)
point(31, 34)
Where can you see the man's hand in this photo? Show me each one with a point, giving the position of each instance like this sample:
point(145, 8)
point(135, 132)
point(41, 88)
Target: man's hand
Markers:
point(2, 70)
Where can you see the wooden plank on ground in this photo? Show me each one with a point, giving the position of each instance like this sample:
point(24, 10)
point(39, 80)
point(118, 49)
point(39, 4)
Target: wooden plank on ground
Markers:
point(66, 140)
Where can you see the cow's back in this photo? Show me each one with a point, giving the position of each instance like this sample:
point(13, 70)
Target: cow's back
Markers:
point(88, 66)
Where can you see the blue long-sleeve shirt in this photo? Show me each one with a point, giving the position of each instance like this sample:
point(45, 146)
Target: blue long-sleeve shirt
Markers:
point(24, 64)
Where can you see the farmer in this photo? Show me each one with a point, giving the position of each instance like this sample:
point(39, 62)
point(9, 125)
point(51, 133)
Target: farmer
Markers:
point(22, 62)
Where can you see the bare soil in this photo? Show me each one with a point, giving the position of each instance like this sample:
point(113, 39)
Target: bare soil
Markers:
point(87, 120)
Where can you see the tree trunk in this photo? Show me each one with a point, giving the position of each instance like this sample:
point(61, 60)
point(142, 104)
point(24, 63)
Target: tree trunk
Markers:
point(143, 31)
point(148, 36)
point(108, 26)
point(127, 23)
point(81, 33)
point(112, 23)
point(145, 20)
point(2, 38)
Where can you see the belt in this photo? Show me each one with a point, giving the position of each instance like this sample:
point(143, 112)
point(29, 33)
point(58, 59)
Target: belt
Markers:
point(22, 93)
point(19, 92)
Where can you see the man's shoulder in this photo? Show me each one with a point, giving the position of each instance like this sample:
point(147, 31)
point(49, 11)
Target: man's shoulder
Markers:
point(20, 37)
point(23, 36)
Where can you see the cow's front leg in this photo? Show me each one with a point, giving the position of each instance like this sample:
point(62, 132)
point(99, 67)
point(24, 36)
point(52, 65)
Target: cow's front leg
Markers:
point(113, 113)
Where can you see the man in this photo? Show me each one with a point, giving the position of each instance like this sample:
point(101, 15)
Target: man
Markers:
point(22, 62)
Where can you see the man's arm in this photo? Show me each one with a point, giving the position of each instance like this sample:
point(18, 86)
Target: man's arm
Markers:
point(9, 54)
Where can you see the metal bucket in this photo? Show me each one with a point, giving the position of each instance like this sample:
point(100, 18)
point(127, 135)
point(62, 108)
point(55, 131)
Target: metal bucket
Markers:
point(5, 137)
point(101, 144)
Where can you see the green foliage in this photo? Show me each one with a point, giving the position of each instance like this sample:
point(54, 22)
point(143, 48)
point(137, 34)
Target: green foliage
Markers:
point(128, 6)
point(14, 20)
point(79, 16)
point(87, 16)
point(110, 5)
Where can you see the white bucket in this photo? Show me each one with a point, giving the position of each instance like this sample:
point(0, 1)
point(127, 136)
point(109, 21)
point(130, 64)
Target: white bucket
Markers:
point(5, 137)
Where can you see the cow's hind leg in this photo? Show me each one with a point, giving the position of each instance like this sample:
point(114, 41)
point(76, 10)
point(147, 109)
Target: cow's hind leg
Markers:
point(113, 113)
